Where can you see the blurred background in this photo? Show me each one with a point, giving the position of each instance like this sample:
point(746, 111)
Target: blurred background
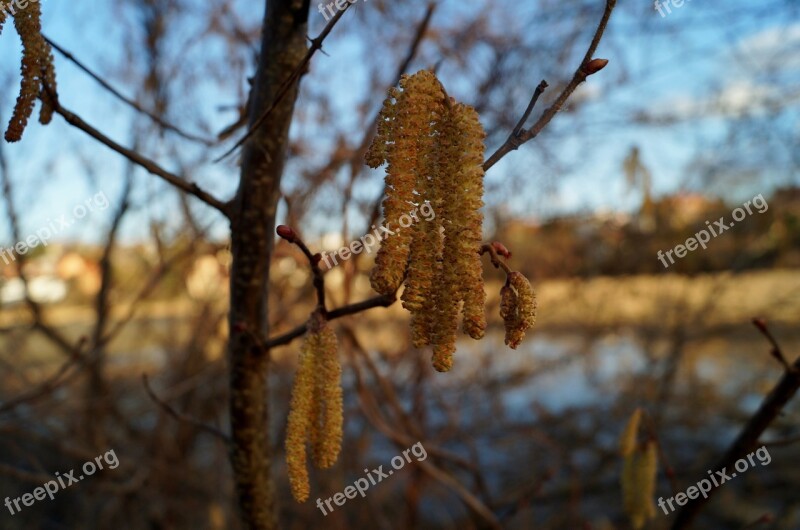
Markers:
point(696, 114)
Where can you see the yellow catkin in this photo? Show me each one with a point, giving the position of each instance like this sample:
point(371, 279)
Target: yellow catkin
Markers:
point(434, 149)
point(299, 421)
point(517, 307)
point(448, 293)
point(377, 153)
point(627, 442)
point(639, 472)
point(401, 155)
point(426, 99)
point(316, 408)
point(469, 220)
point(36, 67)
point(327, 422)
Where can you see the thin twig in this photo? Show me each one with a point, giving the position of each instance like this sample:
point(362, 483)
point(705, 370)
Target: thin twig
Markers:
point(102, 82)
point(384, 300)
point(747, 440)
point(496, 261)
point(49, 385)
point(776, 352)
point(187, 186)
point(316, 44)
point(291, 236)
point(514, 141)
point(183, 417)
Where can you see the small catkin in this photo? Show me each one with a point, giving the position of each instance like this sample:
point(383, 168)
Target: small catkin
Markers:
point(517, 307)
point(377, 153)
point(36, 68)
point(627, 442)
point(639, 474)
point(401, 155)
point(299, 422)
point(469, 181)
point(425, 94)
point(328, 420)
point(316, 408)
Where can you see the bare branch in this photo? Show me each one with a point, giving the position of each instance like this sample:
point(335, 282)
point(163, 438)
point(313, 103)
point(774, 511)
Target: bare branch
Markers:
point(135, 106)
point(182, 417)
point(316, 44)
point(747, 440)
point(515, 140)
point(187, 186)
point(377, 301)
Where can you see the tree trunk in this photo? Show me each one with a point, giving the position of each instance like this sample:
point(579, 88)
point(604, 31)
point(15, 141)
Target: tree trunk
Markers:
point(252, 232)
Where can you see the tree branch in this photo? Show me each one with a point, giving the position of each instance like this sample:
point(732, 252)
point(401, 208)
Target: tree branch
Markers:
point(747, 440)
point(131, 103)
point(377, 301)
point(187, 186)
point(586, 68)
point(316, 44)
point(179, 416)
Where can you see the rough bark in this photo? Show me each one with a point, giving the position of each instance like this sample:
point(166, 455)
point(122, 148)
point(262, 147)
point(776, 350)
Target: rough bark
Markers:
point(252, 227)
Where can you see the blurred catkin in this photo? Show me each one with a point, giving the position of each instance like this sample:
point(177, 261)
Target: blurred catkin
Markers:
point(327, 422)
point(627, 442)
point(315, 411)
point(36, 70)
point(517, 307)
point(639, 472)
point(299, 422)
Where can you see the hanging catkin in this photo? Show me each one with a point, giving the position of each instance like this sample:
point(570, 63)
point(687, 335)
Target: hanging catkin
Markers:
point(36, 70)
point(627, 442)
point(327, 421)
point(639, 470)
point(398, 146)
point(638, 484)
point(434, 150)
point(315, 411)
point(517, 307)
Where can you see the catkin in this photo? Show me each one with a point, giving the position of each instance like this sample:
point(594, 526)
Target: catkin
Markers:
point(299, 422)
point(426, 96)
point(468, 179)
point(36, 69)
point(517, 307)
point(315, 411)
point(638, 484)
point(434, 149)
point(326, 431)
point(627, 442)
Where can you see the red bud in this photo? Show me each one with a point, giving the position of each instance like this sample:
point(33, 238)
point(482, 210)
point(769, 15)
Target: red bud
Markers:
point(287, 233)
point(594, 66)
point(501, 249)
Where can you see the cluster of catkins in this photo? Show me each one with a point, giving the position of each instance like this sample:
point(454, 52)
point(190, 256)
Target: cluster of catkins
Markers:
point(315, 413)
point(36, 69)
point(639, 470)
point(433, 148)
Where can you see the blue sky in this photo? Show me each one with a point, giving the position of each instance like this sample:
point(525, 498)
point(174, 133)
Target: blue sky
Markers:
point(674, 66)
